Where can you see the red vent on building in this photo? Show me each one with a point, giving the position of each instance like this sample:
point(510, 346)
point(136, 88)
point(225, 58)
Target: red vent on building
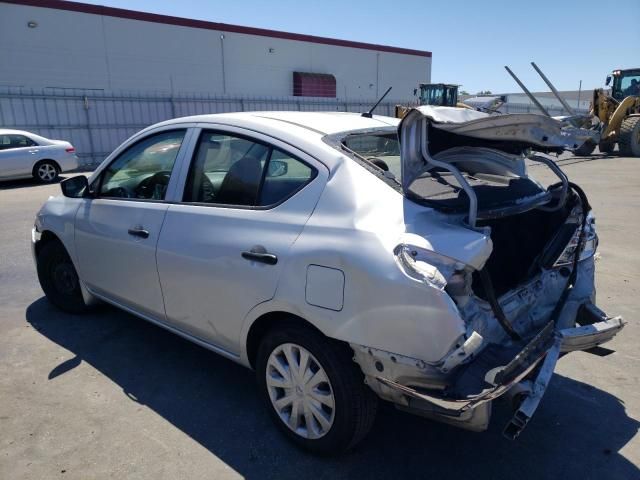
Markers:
point(314, 85)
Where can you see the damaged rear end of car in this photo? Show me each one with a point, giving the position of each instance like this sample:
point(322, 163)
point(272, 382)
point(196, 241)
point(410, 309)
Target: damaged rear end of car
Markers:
point(526, 299)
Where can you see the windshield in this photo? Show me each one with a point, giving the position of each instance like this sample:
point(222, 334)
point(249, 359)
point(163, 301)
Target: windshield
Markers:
point(626, 84)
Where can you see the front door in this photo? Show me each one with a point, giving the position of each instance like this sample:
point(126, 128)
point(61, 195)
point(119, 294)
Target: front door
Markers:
point(221, 250)
point(17, 154)
point(117, 231)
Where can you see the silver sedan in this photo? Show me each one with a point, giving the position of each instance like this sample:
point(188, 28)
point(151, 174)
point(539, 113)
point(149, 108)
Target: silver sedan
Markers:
point(25, 154)
point(345, 258)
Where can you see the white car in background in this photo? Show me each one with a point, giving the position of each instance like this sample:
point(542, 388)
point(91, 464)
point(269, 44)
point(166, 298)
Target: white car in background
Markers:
point(345, 258)
point(25, 154)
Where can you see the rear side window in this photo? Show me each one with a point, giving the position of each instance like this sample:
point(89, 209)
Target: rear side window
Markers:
point(284, 176)
point(233, 170)
point(143, 170)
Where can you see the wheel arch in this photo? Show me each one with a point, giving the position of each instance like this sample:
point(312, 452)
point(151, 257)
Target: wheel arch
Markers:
point(46, 237)
point(266, 322)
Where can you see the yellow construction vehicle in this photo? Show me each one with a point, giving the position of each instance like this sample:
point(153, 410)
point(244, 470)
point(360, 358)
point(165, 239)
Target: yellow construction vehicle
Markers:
point(619, 112)
point(435, 94)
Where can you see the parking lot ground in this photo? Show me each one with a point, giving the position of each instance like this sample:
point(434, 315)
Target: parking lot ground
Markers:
point(110, 396)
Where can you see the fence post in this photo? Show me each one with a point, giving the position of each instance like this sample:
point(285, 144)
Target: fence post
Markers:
point(85, 101)
point(173, 106)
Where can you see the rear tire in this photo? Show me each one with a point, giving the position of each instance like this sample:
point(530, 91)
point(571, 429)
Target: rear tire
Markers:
point(585, 149)
point(348, 405)
point(46, 171)
point(59, 279)
point(629, 138)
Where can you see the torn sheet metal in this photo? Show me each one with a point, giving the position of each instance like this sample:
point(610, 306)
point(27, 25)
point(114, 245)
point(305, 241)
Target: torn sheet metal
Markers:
point(532, 399)
point(529, 128)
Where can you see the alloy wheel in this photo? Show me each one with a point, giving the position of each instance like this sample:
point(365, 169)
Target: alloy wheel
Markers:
point(47, 172)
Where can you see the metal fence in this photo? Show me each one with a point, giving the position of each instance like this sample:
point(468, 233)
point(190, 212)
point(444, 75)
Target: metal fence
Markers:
point(96, 122)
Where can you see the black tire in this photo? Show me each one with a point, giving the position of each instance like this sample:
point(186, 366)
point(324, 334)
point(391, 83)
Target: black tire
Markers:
point(585, 149)
point(46, 171)
point(629, 138)
point(59, 279)
point(606, 147)
point(355, 403)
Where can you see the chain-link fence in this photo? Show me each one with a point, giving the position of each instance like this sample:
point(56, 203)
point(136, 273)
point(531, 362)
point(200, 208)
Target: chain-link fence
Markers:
point(96, 122)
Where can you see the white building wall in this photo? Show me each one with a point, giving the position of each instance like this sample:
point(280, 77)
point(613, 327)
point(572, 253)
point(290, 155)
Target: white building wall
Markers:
point(79, 50)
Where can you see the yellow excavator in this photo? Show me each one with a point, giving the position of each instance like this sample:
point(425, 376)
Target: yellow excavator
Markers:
point(619, 112)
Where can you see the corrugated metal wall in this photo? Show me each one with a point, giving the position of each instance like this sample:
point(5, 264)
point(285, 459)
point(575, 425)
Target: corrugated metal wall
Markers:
point(96, 122)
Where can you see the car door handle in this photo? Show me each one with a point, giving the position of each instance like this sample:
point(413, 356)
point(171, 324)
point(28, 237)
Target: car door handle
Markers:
point(260, 256)
point(139, 232)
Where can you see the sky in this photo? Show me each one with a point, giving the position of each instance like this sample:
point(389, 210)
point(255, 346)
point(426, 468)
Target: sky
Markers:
point(471, 41)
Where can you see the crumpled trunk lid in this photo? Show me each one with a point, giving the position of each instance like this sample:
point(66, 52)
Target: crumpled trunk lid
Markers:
point(504, 132)
point(475, 160)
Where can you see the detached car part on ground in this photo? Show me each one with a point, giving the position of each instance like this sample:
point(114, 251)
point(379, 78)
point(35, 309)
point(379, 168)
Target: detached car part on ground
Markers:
point(416, 260)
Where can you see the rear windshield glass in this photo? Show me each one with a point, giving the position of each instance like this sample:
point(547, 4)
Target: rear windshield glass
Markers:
point(382, 150)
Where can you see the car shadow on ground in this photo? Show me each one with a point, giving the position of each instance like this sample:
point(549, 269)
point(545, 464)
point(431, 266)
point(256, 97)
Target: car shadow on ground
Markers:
point(586, 158)
point(578, 431)
point(26, 182)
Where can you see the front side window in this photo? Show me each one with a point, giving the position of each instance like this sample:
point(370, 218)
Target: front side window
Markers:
point(15, 141)
point(143, 170)
point(5, 142)
point(233, 170)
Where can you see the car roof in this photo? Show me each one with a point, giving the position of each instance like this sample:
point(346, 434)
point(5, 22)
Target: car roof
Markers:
point(33, 136)
point(8, 131)
point(320, 123)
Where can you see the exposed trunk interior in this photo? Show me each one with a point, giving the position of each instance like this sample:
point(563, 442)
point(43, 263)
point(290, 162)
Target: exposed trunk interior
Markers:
point(519, 243)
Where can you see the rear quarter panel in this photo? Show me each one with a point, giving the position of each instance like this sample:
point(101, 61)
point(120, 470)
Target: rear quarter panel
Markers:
point(354, 229)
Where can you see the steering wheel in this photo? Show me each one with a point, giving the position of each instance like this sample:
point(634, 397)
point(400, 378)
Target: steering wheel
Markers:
point(118, 192)
point(207, 191)
point(148, 187)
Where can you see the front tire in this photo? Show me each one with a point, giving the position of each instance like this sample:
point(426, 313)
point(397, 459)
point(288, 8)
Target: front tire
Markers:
point(606, 147)
point(313, 390)
point(59, 279)
point(46, 171)
point(629, 139)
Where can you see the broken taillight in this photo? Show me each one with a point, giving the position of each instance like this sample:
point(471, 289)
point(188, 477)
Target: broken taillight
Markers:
point(588, 249)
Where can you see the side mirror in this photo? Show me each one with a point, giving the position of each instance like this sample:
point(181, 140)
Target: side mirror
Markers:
point(75, 187)
point(277, 168)
point(608, 80)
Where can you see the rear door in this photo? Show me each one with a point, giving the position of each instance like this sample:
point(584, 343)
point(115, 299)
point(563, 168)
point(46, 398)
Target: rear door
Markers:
point(116, 232)
point(221, 250)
